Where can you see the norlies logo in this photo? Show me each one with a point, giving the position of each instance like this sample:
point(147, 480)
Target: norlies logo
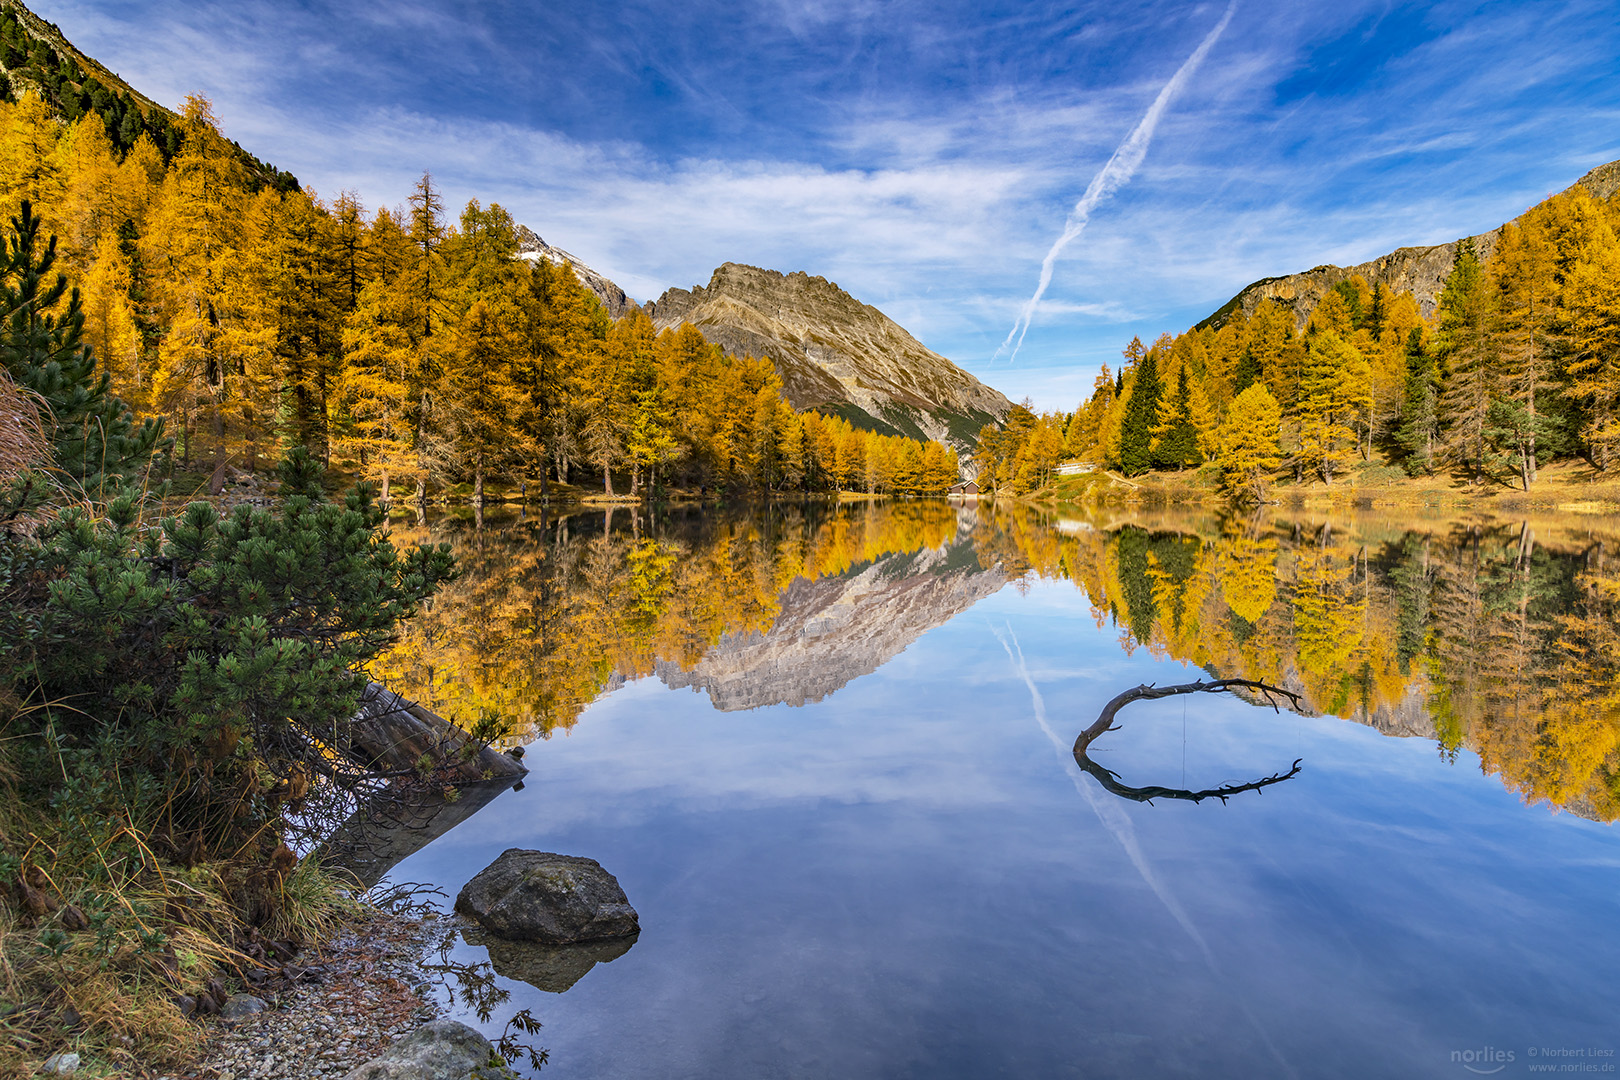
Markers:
point(1484, 1061)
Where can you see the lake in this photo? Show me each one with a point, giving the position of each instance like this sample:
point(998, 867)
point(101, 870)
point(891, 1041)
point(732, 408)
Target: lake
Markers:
point(827, 752)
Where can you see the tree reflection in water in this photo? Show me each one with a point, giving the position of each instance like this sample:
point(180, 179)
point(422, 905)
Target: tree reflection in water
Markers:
point(1499, 638)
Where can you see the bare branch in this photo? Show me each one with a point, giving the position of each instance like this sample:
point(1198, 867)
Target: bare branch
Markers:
point(1110, 782)
point(1105, 723)
point(1105, 719)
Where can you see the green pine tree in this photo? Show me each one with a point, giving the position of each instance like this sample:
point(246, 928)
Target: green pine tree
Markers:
point(197, 657)
point(1141, 412)
point(1247, 372)
point(1419, 407)
point(96, 441)
point(1472, 375)
point(1178, 446)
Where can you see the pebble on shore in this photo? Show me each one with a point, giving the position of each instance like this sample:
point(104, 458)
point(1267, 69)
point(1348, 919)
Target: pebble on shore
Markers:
point(371, 994)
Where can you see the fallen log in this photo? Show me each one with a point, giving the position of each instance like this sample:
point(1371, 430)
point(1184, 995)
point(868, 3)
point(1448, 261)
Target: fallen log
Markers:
point(399, 737)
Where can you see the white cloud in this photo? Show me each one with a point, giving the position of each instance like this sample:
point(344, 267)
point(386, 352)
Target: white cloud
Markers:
point(936, 208)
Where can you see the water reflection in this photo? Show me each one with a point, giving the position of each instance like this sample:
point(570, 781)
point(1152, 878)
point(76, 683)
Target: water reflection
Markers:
point(552, 968)
point(782, 606)
point(1110, 780)
point(1499, 638)
point(1474, 634)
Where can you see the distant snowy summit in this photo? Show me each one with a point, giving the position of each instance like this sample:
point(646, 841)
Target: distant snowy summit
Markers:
point(532, 248)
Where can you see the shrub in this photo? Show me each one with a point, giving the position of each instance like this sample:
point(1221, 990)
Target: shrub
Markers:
point(215, 657)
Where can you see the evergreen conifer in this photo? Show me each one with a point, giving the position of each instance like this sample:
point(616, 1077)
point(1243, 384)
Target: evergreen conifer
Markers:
point(1248, 372)
point(1178, 446)
point(94, 435)
point(1415, 436)
point(1136, 434)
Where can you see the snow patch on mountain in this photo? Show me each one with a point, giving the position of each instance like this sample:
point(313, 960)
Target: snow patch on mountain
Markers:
point(532, 249)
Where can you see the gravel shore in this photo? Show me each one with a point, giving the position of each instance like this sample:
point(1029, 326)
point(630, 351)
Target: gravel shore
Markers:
point(365, 990)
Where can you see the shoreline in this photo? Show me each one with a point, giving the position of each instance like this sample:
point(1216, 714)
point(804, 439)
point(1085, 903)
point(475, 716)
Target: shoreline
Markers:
point(1564, 489)
point(368, 991)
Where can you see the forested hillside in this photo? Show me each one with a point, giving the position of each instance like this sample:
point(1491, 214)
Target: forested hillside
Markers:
point(35, 56)
point(1519, 367)
point(396, 344)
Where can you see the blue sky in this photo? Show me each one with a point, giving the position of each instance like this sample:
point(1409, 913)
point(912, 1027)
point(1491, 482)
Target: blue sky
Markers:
point(923, 156)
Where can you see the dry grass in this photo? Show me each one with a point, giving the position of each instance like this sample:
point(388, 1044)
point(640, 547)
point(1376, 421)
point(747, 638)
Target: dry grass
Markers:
point(24, 450)
point(1565, 487)
point(23, 445)
point(99, 934)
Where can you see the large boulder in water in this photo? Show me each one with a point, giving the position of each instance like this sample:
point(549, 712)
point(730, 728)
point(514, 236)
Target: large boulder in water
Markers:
point(554, 899)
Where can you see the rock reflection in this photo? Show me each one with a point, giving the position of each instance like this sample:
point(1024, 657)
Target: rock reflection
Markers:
point(552, 968)
point(785, 604)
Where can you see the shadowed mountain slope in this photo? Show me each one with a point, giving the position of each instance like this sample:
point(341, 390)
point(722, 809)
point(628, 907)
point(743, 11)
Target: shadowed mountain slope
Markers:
point(835, 353)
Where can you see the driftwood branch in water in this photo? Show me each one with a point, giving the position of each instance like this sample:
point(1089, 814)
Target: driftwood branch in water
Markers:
point(1105, 722)
point(1110, 782)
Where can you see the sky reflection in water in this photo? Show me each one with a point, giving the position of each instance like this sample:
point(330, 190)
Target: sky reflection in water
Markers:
point(911, 877)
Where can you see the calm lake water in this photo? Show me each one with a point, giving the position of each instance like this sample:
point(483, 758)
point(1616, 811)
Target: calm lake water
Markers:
point(827, 753)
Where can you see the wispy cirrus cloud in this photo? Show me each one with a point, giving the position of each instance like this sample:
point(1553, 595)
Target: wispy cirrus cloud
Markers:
point(922, 156)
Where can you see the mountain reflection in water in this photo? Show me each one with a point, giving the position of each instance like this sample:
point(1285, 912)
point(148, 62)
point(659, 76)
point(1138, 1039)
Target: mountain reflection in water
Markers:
point(1495, 637)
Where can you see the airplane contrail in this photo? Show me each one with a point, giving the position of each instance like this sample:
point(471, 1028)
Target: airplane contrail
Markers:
point(1113, 176)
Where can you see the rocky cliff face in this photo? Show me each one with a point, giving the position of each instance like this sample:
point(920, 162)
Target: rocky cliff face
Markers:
point(835, 353)
point(1422, 271)
point(532, 248)
point(832, 631)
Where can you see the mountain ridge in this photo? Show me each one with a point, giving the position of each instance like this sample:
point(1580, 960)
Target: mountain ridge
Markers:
point(532, 248)
point(835, 353)
point(72, 84)
point(1420, 270)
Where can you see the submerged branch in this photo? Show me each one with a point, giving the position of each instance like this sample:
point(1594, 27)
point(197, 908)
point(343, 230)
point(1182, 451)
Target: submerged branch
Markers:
point(1110, 782)
point(1105, 723)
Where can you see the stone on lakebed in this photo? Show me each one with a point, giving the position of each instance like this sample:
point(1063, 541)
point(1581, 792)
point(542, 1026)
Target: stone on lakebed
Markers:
point(554, 899)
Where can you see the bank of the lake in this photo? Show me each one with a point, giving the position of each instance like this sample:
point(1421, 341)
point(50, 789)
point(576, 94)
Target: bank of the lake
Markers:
point(366, 989)
point(1566, 487)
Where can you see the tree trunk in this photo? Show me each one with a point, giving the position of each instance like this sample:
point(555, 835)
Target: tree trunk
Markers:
point(219, 440)
point(393, 735)
point(1530, 463)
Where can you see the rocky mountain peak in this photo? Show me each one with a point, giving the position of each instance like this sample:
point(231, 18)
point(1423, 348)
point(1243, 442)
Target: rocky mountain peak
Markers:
point(834, 353)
